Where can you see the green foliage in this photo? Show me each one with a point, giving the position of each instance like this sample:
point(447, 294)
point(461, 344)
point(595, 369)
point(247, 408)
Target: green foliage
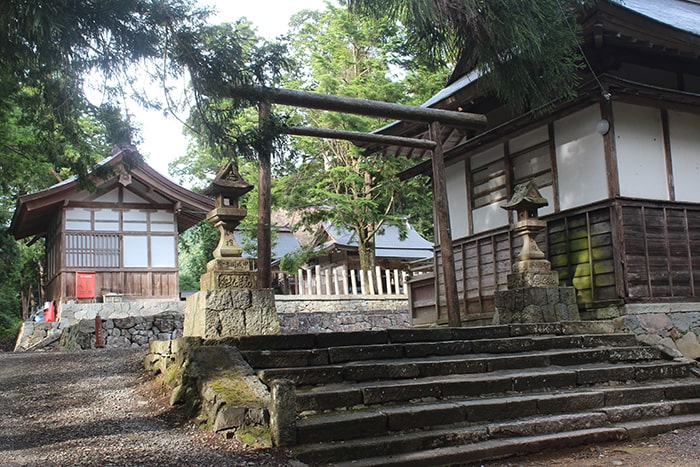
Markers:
point(18, 280)
point(216, 58)
point(48, 127)
point(195, 247)
point(291, 262)
point(344, 55)
point(527, 50)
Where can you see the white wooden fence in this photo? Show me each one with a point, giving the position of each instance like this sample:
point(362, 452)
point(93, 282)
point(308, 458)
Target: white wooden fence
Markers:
point(340, 281)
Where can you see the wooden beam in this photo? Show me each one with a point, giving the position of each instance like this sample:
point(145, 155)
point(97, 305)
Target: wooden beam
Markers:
point(442, 221)
point(360, 137)
point(312, 100)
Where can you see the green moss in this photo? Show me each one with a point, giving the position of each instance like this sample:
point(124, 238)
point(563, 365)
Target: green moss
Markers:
point(233, 389)
point(254, 436)
point(173, 375)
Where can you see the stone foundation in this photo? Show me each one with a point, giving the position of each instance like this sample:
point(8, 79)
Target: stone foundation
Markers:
point(536, 305)
point(534, 296)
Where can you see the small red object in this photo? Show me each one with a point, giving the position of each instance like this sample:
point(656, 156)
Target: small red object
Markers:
point(84, 285)
point(50, 313)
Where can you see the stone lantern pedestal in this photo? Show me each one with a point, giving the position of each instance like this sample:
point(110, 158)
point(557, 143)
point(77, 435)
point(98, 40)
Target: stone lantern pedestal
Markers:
point(228, 303)
point(533, 294)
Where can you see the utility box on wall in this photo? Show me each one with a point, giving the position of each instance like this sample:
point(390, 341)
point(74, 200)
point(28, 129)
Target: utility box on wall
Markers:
point(84, 285)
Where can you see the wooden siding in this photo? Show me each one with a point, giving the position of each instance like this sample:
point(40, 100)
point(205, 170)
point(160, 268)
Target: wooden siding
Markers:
point(136, 284)
point(612, 252)
point(580, 247)
point(662, 250)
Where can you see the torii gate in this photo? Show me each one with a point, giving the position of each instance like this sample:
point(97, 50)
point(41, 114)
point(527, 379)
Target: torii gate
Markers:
point(433, 117)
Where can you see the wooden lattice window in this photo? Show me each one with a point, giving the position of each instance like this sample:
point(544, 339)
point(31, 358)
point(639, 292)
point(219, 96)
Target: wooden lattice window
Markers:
point(488, 180)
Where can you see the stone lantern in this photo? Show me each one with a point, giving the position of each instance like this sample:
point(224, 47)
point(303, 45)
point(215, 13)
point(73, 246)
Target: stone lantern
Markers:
point(525, 202)
point(229, 304)
point(533, 294)
point(228, 269)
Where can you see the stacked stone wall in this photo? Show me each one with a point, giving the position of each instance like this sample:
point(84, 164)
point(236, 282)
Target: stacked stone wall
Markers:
point(124, 325)
point(674, 327)
point(341, 314)
point(134, 324)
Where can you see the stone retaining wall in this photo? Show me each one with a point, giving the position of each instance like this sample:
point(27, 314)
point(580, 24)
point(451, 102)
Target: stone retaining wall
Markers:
point(72, 312)
point(299, 314)
point(134, 324)
point(673, 326)
point(130, 332)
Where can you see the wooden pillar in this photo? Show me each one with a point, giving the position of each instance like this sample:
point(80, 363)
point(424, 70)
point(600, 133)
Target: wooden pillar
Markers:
point(264, 203)
point(442, 220)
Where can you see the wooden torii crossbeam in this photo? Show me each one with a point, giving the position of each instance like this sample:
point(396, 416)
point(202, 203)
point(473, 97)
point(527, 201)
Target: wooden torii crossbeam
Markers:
point(433, 117)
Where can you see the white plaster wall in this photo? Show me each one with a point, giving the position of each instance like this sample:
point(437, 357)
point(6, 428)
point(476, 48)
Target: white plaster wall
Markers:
point(640, 151)
point(580, 159)
point(684, 130)
point(548, 193)
point(456, 181)
point(528, 139)
point(489, 217)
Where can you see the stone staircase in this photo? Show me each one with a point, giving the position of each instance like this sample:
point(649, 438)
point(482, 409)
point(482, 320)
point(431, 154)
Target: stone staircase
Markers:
point(455, 396)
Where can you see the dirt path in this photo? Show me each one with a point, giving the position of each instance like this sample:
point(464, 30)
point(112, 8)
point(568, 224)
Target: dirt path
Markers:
point(100, 408)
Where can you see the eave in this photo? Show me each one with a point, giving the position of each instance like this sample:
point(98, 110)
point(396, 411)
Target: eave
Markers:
point(32, 211)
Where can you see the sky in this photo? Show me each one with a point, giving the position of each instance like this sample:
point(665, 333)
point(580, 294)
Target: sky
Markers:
point(162, 139)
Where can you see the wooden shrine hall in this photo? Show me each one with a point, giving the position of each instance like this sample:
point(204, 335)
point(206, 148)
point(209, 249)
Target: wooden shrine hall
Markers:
point(118, 239)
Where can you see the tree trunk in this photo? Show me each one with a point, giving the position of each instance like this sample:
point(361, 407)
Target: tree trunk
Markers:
point(365, 250)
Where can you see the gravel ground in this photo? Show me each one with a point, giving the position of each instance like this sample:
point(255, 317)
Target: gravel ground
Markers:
point(679, 448)
point(100, 408)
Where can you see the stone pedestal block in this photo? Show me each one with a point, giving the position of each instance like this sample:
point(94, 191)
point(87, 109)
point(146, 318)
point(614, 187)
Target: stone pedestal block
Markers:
point(533, 273)
point(215, 314)
point(536, 305)
point(227, 273)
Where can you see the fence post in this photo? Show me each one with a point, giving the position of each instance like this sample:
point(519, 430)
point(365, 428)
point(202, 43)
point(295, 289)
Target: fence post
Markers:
point(378, 276)
point(336, 284)
point(397, 284)
point(317, 271)
point(404, 279)
point(300, 282)
point(353, 282)
point(327, 277)
point(309, 282)
point(387, 275)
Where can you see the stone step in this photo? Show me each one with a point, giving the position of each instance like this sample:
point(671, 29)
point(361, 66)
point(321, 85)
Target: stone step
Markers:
point(492, 449)
point(398, 443)
point(404, 335)
point(382, 420)
point(401, 347)
point(373, 370)
point(348, 395)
